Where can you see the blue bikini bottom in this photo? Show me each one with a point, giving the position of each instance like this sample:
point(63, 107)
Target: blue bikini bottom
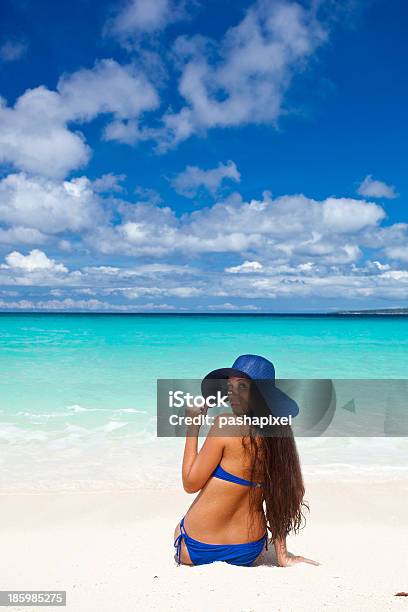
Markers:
point(235, 554)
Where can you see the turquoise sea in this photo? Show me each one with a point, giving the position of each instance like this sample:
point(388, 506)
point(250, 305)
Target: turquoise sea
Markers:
point(78, 391)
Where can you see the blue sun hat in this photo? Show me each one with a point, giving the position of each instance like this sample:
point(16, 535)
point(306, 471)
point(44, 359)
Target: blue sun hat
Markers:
point(262, 372)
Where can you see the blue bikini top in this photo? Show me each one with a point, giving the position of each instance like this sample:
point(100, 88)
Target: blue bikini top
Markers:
point(222, 474)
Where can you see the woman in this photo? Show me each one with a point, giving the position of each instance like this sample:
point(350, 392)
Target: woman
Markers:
point(249, 479)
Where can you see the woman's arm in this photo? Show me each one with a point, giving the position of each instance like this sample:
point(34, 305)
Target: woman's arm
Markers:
point(281, 551)
point(190, 453)
point(198, 466)
point(286, 559)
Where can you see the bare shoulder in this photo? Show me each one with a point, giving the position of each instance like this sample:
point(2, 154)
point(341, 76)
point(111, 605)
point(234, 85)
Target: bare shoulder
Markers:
point(223, 419)
point(217, 428)
point(225, 426)
point(223, 415)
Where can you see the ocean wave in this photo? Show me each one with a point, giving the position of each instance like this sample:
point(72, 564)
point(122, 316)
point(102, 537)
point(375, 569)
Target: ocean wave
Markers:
point(112, 426)
point(12, 433)
point(45, 415)
point(79, 408)
point(134, 410)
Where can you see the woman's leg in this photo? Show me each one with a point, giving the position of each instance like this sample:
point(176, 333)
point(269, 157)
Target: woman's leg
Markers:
point(184, 556)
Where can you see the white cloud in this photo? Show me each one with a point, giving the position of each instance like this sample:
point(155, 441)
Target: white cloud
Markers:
point(35, 260)
point(288, 228)
point(12, 50)
point(346, 215)
point(306, 267)
point(277, 280)
point(190, 181)
point(22, 235)
point(381, 266)
point(247, 266)
point(46, 205)
point(34, 137)
point(293, 227)
point(255, 63)
point(141, 291)
point(107, 88)
point(64, 245)
point(138, 17)
point(109, 182)
point(229, 306)
point(141, 270)
point(36, 270)
point(289, 246)
point(34, 134)
point(397, 252)
point(127, 132)
point(148, 195)
point(385, 236)
point(69, 304)
point(396, 274)
point(371, 188)
point(326, 283)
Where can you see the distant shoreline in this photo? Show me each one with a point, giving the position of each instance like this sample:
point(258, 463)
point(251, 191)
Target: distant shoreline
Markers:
point(400, 312)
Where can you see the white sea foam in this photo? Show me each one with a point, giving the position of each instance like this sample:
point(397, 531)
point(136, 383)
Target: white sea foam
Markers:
point(81, 456)
point(112, 425)
point(78, 408)
point(132, 410)
point(114, 453)
point(11, 433)
point(46, 415)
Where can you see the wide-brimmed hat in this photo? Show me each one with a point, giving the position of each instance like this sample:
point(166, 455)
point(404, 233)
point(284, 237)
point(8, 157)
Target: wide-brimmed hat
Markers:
point(262, 372)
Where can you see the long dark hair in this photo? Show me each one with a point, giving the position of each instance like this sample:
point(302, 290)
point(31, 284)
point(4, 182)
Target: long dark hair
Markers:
point(275, 463)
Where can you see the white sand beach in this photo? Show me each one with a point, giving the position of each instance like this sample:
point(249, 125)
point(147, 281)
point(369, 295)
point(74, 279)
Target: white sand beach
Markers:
point(113, 551)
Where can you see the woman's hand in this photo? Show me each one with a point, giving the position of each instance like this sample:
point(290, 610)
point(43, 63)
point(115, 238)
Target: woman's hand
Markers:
point(194, 411)
point(288, 560)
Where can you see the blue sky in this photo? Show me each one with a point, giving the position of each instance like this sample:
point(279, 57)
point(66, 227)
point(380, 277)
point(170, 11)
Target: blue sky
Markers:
point(178, 155)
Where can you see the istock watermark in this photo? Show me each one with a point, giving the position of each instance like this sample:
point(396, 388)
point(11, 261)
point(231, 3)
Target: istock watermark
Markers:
point(326, 407)
point(178, 399)
point(227, 420)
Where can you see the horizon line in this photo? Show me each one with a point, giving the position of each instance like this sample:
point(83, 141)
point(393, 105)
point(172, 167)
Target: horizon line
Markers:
point(340, 313)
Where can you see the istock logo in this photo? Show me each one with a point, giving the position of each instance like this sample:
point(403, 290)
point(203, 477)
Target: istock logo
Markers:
point(178, 399)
